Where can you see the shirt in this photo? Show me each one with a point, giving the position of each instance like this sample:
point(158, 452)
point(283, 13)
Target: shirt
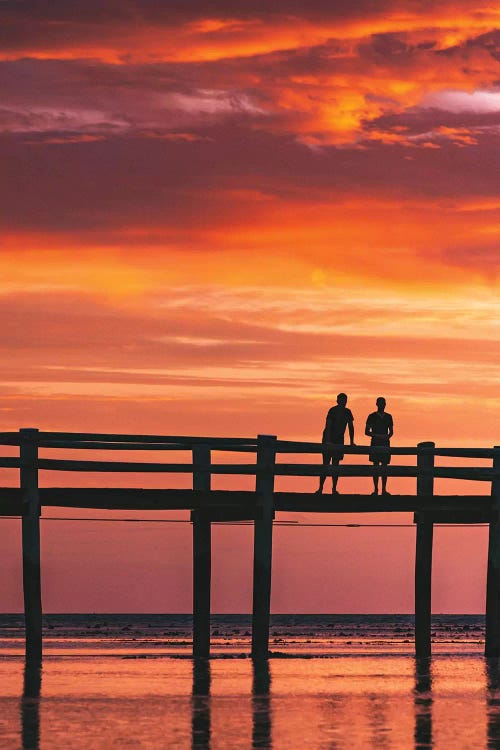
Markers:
point(337, 420)
point(381, 424)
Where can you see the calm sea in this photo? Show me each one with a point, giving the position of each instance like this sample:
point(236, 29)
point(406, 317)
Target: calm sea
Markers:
point(333, 682)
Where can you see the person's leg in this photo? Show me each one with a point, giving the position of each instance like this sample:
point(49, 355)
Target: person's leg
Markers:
point(335, 462)
point(326, 462)
point(384, 482)
point(375, 477)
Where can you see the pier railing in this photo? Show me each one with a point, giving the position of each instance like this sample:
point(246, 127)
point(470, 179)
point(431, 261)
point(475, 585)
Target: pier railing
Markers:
point(115, 442)
point(266, 458)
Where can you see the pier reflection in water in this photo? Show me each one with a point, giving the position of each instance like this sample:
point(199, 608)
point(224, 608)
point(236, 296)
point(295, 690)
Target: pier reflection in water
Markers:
point(492, 669)
point(201, 729)
point(30, 705)
point(200, 732)
point(423, 704)
point(378, 702)
point(261, 705)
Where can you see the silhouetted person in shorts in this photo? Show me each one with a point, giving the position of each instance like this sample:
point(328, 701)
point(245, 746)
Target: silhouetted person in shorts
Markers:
point(380, 428)
point(337, 419)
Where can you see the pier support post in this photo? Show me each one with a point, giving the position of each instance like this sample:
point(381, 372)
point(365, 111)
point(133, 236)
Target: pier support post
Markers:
point(263, 544)
point(423, 556)
point(202, 558)
point(492, 636)
point(28, 453)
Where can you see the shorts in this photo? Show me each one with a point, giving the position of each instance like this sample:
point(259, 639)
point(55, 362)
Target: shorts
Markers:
point(380, 457)
point(334, 455)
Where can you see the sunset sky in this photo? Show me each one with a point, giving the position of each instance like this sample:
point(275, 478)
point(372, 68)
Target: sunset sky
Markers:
point(217, 215)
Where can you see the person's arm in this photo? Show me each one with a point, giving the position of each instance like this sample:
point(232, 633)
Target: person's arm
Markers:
point(391, 429)
point(351, 431)
point(326, 431)
point(368, 428)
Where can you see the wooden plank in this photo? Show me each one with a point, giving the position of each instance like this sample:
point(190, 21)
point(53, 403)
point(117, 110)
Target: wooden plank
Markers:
point(492, 635)
point(291, 446)
point(263, 545)
point(138, 467)
point(244, 501)
point(115, 437)
point(31, 544)
point(56, 464)
point(302, 502)
point(306, 470)
point(103, 445)
point(232, 515)
point(459, 515)
point(355, 470)
point(202, 559)
point(11, 501)
point(9, 463)
point(112, 498)
point(464, 452)
point(423, 557)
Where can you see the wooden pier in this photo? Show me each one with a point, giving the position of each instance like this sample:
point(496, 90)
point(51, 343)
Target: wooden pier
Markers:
point(266, 460)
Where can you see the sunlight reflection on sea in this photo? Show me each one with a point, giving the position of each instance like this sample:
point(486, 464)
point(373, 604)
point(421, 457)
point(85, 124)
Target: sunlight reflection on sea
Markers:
point(334, 701)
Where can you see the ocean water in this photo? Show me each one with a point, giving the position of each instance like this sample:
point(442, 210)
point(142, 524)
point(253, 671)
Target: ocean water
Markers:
point(332, 682)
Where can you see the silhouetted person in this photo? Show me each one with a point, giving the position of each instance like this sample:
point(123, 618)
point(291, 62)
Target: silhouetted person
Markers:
point(380, 428)
point(338, 418)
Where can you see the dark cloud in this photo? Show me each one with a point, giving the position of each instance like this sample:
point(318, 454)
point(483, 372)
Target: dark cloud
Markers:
point(165, 184)
point(425, 120)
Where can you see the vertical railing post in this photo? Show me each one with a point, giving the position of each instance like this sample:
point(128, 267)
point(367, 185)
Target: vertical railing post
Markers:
point(202, 557)
point(423, 555)
point(492, 638)
point(28, 453)
point(263, 544)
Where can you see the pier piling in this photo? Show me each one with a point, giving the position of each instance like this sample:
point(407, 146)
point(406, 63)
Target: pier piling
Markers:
point(202, 557)
point(263, 544)
point(28, 453)
point(492, 636)
point(423, 555)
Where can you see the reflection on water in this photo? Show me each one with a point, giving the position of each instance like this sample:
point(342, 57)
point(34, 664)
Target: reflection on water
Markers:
point(201, 705)
point(423, 704)
point(492, 669)
point(384, 702)
point(200, 722)
point(30, 705)
point(261, 704)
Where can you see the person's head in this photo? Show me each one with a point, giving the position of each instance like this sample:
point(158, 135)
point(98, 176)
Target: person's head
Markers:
point(380, 403)
point(342, 399)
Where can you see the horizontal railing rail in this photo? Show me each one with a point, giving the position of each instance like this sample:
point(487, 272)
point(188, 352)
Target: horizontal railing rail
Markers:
point(278, 468)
